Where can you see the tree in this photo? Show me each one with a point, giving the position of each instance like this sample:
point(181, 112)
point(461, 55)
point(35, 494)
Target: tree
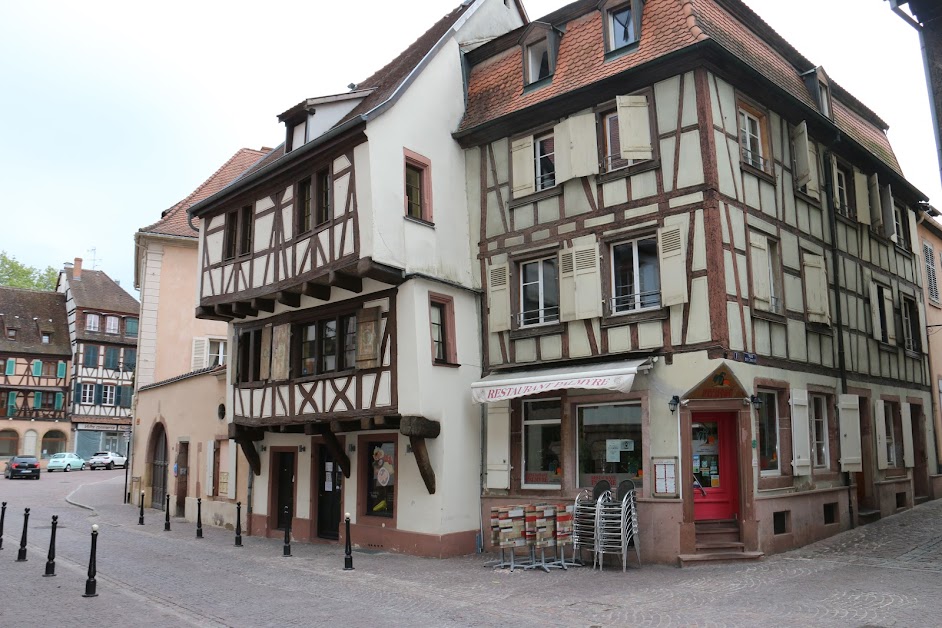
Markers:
point(17, 275)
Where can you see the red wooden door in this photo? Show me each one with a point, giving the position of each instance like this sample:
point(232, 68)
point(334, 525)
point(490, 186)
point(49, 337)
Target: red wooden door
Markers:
point(715, 466)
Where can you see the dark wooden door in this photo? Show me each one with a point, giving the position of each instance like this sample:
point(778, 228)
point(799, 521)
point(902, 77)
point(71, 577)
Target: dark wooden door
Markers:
point(715, 466)
point(284, 503)
point(159, 470)
point(920, 453)
point(329, 479)
point(182, 471)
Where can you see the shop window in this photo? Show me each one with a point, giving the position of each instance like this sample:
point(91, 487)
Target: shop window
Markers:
point(819, 431)
point(636, 279)
point(9, 443)
point(380, 471)
point(53, 442)
point(768, 429)
point(830, 513)
point(609, 445)
point(539, 292)
point(781, 522)
point(542, 444)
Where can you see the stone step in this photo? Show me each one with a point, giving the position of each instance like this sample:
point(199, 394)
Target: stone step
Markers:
point(867, 515)
point(719, 546)
point(920, 499)
point(718, 557)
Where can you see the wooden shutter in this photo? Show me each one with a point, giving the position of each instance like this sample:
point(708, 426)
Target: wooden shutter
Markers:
point(873, 193)
point(588, 281)
point(875, 304)
point(11, 366)
point(198, 358)
point(802, 155)
point(523, 166)
point(37, 400)
point(59, 399)
point(890, 316)
point(886, 204)
point(11, 403)
point(834, 193)
point(369, 340)
point(37, 368)
point(265, 363)
point(77, 393)
point(862, 196)
point(911, 220)
point(801, 434)
point(280, 351)
point(498, 297)
point(231, 467)
point(932, 282)
point(567, 285)
point(60, 369)
point(498, 445)
point(562, 150)
point(117, 396)
point(879, 412)
point(634, 127)
point(672, 260)
point(848, 408)
point(813, 180)
point(761, 286)
point(210, 463)
point(583, 146)
point(816, 289)
point(923, 329)
point(98, 391)
point(906, 420)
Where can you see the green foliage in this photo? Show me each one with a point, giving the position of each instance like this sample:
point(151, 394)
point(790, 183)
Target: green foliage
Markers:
point(17, 275)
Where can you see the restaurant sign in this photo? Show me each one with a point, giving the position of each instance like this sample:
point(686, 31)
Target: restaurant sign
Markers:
point(500, 392)
point(96, 427)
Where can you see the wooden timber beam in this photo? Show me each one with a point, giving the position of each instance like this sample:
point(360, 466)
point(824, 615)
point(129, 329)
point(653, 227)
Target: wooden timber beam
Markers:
point(366, 267)
point(345, 281)
point(291, 299)
point(419, 426)
point(224, 309)
point(264, 305)
point(332, 443)
point(422, 460)
point(208, 312)
point(245, 432)
point(316, 290)
point(251, 455)
point(244, 308)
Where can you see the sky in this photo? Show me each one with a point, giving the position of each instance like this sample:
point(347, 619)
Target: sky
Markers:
point(112, 111)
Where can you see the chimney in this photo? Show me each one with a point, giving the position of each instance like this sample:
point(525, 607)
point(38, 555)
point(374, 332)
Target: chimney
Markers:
point(77, 269)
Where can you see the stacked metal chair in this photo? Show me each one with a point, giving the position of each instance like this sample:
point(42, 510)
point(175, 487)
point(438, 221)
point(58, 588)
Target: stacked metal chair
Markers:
point(617, 524)
point(584, 526)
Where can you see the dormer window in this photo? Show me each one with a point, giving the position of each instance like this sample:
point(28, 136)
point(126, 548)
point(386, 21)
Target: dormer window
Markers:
point(538, 61)
point(819, 87)
point(11, 333)
point(298, 135)
point(824, 99)
point(540, 43)
point(46, 337)
point(622, 23)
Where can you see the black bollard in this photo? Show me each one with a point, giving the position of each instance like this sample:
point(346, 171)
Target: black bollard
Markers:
point(51, 560)
point(238, 538)
point(199, 518)
point(167, 516)
point(21, 555)
point(91, 585)
point(3, 515)
point(348, 550)
point(140, 520)
point(287, 551)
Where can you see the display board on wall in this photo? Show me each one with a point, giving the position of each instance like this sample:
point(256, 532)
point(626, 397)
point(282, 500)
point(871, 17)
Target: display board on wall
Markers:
point(665, 476)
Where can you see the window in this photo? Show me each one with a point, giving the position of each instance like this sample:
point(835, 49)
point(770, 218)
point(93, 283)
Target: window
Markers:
point(636, 279)
point(130, 327)
point(92, 322)
point(609, 444)
point(250, 355)
point(231, 236)
point(111, 357)
point(325, 346)
point(932, 282)
point(322, 196)
point(216, 459)
point(612, 143)
point(90, 356)
point(49, 369)
point(883, 295)
point(11, 333)
point(752, 137)
point(819, 431)
point(11, 404)
point(130, 360)
point(545, 159)
point(217, 352)
point(768, 433)
point(46, 337)
point(442, 327)
point(538, 61)
point(775, 277)
point(621, 27)
point(889, 418)
point(380, 474)
point(542, 444)
point(47, 401)
point(245, 230)
point(844, 191)
point(88, 394)
point(107, 395)
point(304, 205)
point(111, 324)
point(418, 186)
point(539, 292)
point(824, 99)
point(912, 335)
point(901, 221)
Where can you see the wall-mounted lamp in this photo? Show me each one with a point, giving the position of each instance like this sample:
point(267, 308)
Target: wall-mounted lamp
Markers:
point(301, 449)
point(351, 448)
point(263, 448)
point(673, 403)
point(756, 401)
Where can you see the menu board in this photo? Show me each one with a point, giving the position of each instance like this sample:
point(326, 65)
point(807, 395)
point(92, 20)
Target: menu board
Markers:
point(665, 477)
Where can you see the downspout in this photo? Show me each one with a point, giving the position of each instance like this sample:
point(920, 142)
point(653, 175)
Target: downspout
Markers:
point(250, 485)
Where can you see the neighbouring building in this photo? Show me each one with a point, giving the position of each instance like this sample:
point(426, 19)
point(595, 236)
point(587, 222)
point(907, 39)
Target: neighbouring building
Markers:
point(103, 329)
point(930, 236)
point(181, 445)
point(702, 274)
point(34, 374)
point(342, 263)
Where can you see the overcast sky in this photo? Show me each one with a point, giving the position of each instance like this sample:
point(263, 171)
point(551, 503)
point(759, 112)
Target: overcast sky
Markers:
point(111, 112)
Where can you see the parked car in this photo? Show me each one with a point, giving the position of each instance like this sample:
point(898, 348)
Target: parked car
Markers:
point(22, 467)
point(106, 460)
point(65, 462)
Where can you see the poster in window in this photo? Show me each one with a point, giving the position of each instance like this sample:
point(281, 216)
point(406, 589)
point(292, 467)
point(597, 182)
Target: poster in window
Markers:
point(368, 338)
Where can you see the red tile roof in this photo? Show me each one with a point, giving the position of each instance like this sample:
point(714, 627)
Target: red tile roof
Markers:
point(173, 221)
point(495, 86)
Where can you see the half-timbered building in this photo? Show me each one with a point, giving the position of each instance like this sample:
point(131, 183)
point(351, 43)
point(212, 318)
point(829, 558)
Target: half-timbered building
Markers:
point(103, 330)
point(929, 230)
point(34, 373)
point(701, 274)
point(341, 261)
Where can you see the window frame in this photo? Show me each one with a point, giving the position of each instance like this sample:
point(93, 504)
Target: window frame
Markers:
point(524, 422)
point(46, 337)
point(89, 398)
point(49, 369)
point(823, 421)
point(11, 333)
point(901, 222)
point(89, 324)
point(543, 318)
point(761, 118)
point(221, 354)
point(529, 50)
point(577, 439)
point(322, 192)
point(423, 166)
point(912, 336)
point(304, 211)
point(890, 412)
point(847, 207)
point(636, 7)
point(611, 298)
point(248, 364)
point(109, 395)
point(446, 306)
point(343, 362)
point(541, 178)
point(364, 443)
point(112, 324)
point(776, 283)
point(246, 230)
point(777, 471)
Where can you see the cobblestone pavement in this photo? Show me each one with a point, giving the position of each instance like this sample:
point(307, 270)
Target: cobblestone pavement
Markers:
point(872, 576)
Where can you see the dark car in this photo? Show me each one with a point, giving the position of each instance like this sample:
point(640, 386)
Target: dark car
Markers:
point(22, 467)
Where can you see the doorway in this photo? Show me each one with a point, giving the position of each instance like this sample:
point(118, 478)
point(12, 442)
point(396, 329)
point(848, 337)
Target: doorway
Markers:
point(284, 490)
point(159, 469)
point(715, 466)
point(329, 479)
point(181, 471)
point(866, 501)
point(920, 454)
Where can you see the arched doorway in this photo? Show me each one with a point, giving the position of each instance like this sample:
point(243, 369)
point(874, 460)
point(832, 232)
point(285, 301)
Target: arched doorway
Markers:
point(158, 457)
point(29, 443)
point(9, 441)
point(54, 442)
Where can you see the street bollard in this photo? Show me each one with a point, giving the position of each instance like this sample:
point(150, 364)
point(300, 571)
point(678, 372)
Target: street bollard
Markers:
point(140, 520)
point(51, 560)
point(91, 585)
point(21, 555)
point(238, 537)
point(347, 550)
point(287, 551)
point(167, 516)
point(3, 515)
point(199, 517)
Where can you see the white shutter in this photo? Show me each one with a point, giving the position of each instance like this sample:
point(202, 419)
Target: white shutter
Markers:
point(231, 467)
point(588, 280)
point(210, 461)
point(498, 297)
point(886, 203)
point(834, 193)
point(280, 352)
point(880, 423)
point(584, 145)
point(523, 166)
point(562, 149)
point(198, 358)
point(907, 425)
point(923, 330)
point(813, 180)
point(848, 407)
point(672, 259)
point(875, 304)
point(634, 127)
point(932, 282)
point(911, 220)
point(862, 196)
point(498, 445)
point(816, 289)
point(761, 286)
point(802, 155)
point(801, 433)
point(265, 362)
point(567, 286)
point(873, 192)
point(890, 316)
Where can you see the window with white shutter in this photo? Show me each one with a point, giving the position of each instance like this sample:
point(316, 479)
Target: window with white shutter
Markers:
point(848, 407)
point(932, 283)
point(498, 297)
point(801, 437)
point(672, 259)
point(816, 289)
point(634, 127)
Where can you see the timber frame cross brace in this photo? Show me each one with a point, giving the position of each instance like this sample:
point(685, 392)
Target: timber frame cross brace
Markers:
point(246, 437)
point(418, 428)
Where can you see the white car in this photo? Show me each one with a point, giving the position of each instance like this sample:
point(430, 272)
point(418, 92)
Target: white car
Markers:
point(65, 462)
point(106, 460)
